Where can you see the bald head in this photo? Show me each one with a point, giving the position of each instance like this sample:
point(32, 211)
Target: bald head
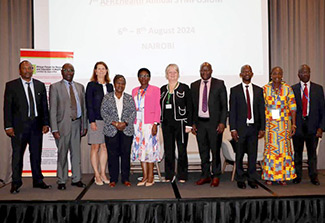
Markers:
point(206, 71)
point(246, 73)
point(245, 67)
point(304, 73)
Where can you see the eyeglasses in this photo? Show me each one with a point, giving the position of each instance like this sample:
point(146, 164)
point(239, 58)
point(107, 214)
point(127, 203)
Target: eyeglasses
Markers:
point(68, 70)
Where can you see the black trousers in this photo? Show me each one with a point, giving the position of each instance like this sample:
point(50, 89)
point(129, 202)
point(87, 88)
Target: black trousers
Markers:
point(209, 141)
point(311, 144)
point(175, 132)
point(247, 143)
point(119, 146)
point(33, 136)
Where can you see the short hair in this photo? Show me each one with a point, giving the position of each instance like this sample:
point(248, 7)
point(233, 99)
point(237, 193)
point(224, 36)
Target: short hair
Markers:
point(24, 61)
point(244, 66)
point(276, 68)
point(118, 76)
point(304, 66)
point(144, 69)
point(94, 76)
point(172, 65)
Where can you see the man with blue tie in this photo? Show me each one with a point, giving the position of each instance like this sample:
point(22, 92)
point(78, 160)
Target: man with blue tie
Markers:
point(26, 119)
point(310, 122)
point(68, 123)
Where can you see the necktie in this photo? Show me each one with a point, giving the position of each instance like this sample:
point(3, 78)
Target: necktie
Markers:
point(305, 101)
point(249, 109)
point(31, 102)
point(205, 97)
point(73, 103)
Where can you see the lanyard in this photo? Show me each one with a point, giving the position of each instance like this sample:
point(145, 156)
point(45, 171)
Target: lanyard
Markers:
point(304, 95)
point(169, 94)
point(276, 96)
point(141, 96)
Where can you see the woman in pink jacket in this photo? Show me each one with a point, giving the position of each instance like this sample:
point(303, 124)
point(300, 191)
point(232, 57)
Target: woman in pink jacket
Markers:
point(146, 143)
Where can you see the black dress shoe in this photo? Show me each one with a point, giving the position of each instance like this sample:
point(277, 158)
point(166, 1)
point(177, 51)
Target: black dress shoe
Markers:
point(42, 185)
point(296, 180)
point(241, 185)
point(15, 188)
point(78, 184)
point(315, 181)
point(252, 184)
point(61, 187)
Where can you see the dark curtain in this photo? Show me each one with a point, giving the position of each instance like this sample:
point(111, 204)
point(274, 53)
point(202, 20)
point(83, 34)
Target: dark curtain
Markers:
point(15, 33)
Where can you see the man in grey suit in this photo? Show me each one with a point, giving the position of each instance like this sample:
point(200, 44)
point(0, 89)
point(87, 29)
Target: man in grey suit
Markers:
point(69, 123)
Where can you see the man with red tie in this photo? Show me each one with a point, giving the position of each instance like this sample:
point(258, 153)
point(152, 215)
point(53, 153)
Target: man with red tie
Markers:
point(310, 122)
point(247, 124)
point(209, 97)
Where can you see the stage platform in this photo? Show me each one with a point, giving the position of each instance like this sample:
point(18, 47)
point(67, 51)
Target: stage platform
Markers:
point(165, 202)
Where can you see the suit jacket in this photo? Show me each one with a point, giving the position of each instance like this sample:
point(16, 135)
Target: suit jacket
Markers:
point(60, 111)
point(217, 101)
point(16, 105)
point(316, 117)
point(94, 97)
point(151, 104)
point(238, 108)
point(109, 114)
point(182, 103)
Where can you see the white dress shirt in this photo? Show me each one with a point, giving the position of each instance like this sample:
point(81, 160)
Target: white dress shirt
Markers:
point(251, 97)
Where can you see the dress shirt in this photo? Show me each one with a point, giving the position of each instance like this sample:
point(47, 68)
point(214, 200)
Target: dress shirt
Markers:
point(201, 113)
point(119, 106)
point(76, 95)
point(33, 93)
point(302, 87)
point(104, 88)
point(251, 97)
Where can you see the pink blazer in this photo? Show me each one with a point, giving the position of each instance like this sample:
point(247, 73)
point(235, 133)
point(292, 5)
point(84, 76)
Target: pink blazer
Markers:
point(151, 104)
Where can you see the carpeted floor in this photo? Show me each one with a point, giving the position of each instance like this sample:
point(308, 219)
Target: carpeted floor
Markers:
point(160, 190)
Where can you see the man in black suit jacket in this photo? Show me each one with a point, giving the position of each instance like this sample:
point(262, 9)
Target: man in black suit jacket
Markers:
point(247, 124)
point(310, 122)
point(209, 97)
point(26, 119)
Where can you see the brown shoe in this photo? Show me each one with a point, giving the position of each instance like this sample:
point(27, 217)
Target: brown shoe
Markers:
point(127, 183)
point(112, 184)
point(203, 181)
point(215, 182)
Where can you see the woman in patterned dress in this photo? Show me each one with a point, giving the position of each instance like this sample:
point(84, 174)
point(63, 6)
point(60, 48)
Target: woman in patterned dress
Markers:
point(280, 114)
point(145, 143)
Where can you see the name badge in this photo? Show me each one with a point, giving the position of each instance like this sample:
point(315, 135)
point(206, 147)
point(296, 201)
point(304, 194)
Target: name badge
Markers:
point(139, 115)
point(168, 106)
point(275, 113)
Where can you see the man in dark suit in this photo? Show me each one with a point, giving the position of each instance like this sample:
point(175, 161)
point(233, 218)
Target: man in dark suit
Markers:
point(26, 119)
point(209, 97)
point(310, 122)
point(247, 124)
point(68, 124)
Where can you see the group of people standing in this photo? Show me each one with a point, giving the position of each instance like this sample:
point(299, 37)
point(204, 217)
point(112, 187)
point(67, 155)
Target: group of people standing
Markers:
point(279, 113)
point(122, 126)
